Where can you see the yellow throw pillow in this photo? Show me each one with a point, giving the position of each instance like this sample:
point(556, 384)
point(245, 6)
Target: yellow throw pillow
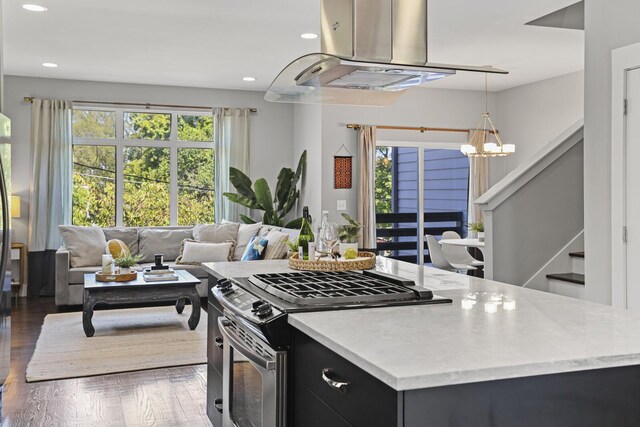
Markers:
point(117, 248)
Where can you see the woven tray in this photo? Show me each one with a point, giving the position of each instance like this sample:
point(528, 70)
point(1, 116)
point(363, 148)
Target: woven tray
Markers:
point(365, 261)
point(116, 277)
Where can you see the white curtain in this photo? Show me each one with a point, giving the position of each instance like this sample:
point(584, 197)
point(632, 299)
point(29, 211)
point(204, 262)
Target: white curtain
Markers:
point(231, 141)
point(51, 172)
point(478, 176)
point(366, 186)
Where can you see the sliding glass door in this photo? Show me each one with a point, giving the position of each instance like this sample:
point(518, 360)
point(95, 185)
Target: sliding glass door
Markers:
point(419, 190)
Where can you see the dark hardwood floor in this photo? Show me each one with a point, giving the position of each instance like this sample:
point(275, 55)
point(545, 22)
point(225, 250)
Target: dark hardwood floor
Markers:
point(158, 397)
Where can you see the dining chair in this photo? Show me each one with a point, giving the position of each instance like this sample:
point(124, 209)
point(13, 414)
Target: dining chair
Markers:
point(439, 261)
point(458, 254)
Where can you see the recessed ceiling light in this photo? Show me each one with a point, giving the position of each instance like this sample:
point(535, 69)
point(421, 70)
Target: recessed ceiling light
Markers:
point(49, 65)
point(34, 7)
point(309, 36)
point(249, 79)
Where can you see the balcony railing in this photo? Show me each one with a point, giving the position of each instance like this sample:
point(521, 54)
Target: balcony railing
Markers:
point(392, 239)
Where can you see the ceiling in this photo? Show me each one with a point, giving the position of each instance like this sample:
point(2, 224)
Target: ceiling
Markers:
point(214, 43)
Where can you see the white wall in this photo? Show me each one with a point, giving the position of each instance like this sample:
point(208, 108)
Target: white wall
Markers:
point(307, 135)
point(533, 115)
point(271, 127)
point(608, 25)
point(417, 107)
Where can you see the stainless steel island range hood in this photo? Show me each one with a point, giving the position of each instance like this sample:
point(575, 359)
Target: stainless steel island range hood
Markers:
point(372, 51)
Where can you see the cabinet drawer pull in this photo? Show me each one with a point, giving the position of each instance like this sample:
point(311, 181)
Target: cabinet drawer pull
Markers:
point(340, 386)
point(218, 405)
point(218, 341)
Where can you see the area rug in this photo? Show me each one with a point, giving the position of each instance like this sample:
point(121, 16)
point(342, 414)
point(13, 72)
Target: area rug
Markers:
point(125, 340)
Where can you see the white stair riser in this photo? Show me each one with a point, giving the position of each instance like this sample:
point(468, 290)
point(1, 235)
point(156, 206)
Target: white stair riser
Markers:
point(577, 265)
point(568, 289)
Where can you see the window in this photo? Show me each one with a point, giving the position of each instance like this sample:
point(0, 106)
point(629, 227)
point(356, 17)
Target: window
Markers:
point(142, 168)
point(445, 186)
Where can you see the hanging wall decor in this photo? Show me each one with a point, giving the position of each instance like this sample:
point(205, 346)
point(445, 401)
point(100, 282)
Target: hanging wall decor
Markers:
point(342, 168)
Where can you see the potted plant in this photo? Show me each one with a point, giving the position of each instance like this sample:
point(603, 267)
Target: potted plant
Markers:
point(477, 228)
point(274, 206)
point(126, 262)
point(293, 247)
point(348, 234)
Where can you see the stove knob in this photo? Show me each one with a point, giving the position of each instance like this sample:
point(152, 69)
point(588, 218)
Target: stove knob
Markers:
point(256, 304)
point(224, 285)
point(264, 310)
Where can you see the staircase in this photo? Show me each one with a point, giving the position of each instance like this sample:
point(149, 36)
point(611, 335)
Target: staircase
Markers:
point(569, 284)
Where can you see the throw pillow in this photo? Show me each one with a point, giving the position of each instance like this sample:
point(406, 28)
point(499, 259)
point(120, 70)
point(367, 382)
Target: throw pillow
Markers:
point(165, 241)
point(291, 232)
point(195, 252)
point(129, 235)
point(255, 249)
point(215, 233)
point(245, 233)
point(85, 245)
point(278, 246)
point(117, 248)
point(265, 229)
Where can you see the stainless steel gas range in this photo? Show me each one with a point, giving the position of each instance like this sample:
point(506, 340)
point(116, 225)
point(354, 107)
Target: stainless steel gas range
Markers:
point(249, 336)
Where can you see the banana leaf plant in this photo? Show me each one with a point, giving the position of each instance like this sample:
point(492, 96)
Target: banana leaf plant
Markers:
point(275, 207)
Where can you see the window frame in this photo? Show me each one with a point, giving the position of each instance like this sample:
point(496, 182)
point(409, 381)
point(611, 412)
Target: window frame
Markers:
point(120, 143)
point(421, 146)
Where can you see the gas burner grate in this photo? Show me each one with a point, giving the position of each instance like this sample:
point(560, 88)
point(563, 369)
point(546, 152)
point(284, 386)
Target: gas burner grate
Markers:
point(318, 287)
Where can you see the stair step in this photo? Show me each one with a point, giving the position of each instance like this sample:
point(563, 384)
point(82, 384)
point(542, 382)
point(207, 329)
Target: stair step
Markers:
point(568, 277)
point(577, 254)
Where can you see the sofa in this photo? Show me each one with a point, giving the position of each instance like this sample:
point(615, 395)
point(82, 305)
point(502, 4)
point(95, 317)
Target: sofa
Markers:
point(149, 241)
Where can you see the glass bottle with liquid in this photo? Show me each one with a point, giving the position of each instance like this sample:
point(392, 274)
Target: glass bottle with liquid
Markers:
point(306, 234)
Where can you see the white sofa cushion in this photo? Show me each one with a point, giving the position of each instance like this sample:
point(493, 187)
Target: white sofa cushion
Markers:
point(85, 245)
point(129, 235)
point(165, 241)
point(215, 233)
point(196, 252)
point(245, 233)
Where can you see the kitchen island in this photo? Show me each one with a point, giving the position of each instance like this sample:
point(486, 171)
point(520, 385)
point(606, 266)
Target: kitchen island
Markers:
point(498, 355)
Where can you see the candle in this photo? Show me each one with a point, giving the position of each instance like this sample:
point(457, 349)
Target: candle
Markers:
point(107, 264)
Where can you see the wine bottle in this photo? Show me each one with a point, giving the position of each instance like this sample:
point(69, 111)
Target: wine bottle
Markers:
point(306, 235)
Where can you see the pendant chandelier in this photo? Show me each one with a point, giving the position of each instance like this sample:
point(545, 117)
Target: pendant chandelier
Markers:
point(479, 144)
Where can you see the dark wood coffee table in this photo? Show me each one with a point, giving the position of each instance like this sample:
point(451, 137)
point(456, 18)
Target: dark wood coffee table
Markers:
point(139, 291)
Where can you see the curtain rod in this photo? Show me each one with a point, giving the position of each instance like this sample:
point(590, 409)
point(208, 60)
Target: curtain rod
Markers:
point(421, 129)
point(147, 105)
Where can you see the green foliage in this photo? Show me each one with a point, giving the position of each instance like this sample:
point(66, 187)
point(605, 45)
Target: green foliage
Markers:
point(476, 227)
point(384, 183)
point(349, 233)
point(383, 179)
point(154, 126)
point(196, 199)
point(94, 124)
point(293, 245)
point(127, 261)
point(274, 208)
point(195, 128)
point(94, 185)
point(146, 171)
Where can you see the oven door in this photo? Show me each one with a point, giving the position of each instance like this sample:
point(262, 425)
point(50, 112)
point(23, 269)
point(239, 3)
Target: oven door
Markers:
point(253, 378)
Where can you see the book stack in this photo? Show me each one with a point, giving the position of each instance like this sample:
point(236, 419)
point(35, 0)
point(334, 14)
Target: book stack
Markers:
point(159, 275)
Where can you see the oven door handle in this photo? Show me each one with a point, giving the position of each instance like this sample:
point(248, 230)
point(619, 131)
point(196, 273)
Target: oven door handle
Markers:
point(263, 362)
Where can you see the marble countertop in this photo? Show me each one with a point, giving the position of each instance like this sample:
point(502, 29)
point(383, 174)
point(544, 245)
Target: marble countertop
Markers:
point(415, 347)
